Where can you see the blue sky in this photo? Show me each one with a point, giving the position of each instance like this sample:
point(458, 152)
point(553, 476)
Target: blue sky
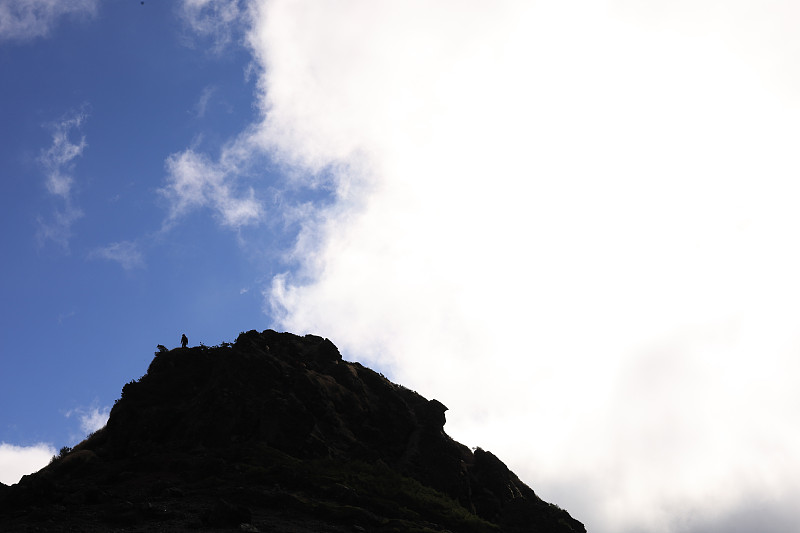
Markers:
point(573, 223)
point(96, 272)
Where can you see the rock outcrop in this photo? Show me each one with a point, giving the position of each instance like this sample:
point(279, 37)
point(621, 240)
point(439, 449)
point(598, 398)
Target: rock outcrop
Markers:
point(275, 432)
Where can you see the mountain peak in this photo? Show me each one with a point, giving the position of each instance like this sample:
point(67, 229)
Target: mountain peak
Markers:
point(276, 432)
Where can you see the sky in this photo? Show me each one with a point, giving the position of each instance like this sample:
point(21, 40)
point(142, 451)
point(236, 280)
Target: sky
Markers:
point(574, 223)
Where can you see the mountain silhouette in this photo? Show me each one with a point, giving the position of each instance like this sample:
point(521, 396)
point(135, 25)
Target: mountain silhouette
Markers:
point(274, 433)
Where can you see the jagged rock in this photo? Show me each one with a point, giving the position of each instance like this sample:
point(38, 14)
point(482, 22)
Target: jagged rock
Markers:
point(293, 434)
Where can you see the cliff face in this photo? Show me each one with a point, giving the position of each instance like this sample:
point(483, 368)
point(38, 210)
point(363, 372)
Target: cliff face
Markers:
point(278, 433)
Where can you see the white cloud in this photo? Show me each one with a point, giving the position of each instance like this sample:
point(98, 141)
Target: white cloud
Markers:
point(91, 418)
point(571, 223)
point(194, 181)
point(58, 163)
point(28, 19)
point(17, 461)
point(126, 253)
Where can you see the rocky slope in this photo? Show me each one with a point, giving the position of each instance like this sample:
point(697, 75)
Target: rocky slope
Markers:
point(274, 433)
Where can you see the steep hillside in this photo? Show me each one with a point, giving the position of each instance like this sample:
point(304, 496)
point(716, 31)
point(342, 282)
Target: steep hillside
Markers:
point(274, 433)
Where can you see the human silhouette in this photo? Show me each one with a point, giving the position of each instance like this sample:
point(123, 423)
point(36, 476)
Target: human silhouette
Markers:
point(184, 341)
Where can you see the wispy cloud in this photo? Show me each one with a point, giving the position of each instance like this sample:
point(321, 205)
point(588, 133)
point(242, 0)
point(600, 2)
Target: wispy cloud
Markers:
point(194, 181)
point(126, 253)
point(57, 159)
point(91, 418)
point(58, 226)
point(202, 102)
point(58, 163)
point(218, 20)
point(17, 461)
point(28, 19)
point(63, 317)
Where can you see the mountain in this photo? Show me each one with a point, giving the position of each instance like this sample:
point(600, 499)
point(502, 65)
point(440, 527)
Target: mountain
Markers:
point(274, 433)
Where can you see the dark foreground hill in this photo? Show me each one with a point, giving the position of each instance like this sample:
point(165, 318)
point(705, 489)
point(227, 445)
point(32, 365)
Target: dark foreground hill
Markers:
point(274, 433)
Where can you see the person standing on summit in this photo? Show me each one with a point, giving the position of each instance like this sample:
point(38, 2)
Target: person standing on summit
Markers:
point(184, 340)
